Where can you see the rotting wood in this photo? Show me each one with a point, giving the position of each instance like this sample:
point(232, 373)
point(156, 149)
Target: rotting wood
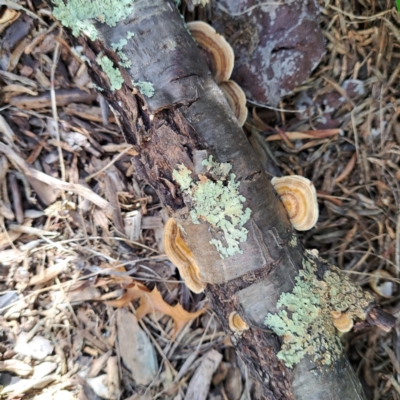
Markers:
point(187, 114)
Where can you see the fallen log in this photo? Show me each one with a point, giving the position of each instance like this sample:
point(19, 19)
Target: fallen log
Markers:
point(194, 153)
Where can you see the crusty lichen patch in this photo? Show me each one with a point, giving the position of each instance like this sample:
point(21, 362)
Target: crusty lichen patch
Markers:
point(78, 15)
point(305, 321)
point(216, 199)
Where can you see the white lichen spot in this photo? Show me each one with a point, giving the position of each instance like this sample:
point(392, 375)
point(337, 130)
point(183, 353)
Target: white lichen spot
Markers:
point(305, 321)
point(215, 198)
point(114, 74)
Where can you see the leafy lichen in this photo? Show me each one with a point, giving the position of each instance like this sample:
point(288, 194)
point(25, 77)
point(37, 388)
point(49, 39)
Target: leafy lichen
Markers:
point(118, 46)
point(114, 74)
point(217, 200)
point(146, 88)
point(306, 323)
point(125, 61)
point(78, 14)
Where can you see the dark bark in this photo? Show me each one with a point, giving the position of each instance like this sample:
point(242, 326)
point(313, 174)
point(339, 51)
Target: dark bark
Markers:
point(189, 113)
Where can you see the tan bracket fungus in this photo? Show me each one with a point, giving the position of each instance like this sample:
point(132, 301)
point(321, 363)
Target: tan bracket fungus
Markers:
point(342, 321)
point(236, 323)
point(299, 197)
point(215, 45)
point(181, 256)
point(236, 99)
point(221, 62)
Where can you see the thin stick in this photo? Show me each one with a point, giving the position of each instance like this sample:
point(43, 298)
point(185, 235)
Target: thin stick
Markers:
point(115, 159)
point(54, 182)
point(54, 111)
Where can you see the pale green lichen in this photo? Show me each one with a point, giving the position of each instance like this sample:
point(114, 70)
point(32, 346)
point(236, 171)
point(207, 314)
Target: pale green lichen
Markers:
point(217, 200)
point(293, 241)
point(98, 88)
point(125, 61)
point(114, 74)
point(118, 46)
point(306, 322)
point(146, 88)
point(130, 34)
point(78, 14)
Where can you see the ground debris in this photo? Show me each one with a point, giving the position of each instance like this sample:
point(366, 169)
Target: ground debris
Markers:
point(79, 230)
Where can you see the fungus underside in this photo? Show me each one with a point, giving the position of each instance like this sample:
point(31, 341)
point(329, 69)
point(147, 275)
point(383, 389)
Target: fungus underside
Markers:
point(305, 320)
point(215, 198)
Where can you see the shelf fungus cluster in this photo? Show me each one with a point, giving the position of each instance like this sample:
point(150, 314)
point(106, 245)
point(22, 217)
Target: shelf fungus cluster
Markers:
point(181, 256)
point(220, 59)
point(311, 313)
point(299, 197)
point(236, 323)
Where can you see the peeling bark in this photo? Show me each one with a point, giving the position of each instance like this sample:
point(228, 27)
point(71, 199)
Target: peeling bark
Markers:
point(188, 113)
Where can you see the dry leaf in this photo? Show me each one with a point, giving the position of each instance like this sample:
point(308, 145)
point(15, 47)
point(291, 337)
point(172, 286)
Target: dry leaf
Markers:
point(37, 348)
point(16, 367)
point(136, 349)
point(100, 386)
point(6, 238)
point(151, 301)
point(381, 283)
point(44, 369)
point(199, 385)
point(49, 273)
point(8, 15)
point(83, 294)
point(113, 378)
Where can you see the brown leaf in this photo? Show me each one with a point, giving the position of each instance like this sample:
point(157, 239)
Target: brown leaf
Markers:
point(347, 169)
point(151, 301)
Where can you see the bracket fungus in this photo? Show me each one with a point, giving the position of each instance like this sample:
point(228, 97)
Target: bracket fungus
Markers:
point(342, 321)
point(220, 54)
point(181, 256)
point(220, 59)
point(236, 99)
point(236, 323)
point(299, 197)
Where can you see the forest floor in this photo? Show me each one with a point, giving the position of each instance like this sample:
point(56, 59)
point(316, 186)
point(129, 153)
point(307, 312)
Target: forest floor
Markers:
point(67, 266)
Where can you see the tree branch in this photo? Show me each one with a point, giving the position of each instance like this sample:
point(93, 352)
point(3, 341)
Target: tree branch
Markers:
point(187, 118)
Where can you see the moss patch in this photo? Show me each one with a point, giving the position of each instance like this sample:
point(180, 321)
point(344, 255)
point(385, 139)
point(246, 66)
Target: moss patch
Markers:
point(216, 199)
point(306, 323)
